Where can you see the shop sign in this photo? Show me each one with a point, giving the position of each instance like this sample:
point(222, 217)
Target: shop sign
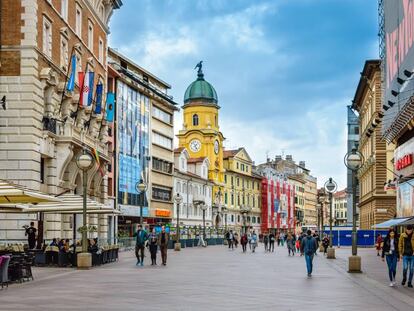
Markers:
point(162, 213)
point(404, 162)
point(403, 156)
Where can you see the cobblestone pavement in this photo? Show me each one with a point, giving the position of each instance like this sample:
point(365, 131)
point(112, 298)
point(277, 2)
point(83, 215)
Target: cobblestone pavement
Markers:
point(213, 278)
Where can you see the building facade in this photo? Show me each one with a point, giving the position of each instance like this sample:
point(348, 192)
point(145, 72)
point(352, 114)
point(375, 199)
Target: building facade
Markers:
point(145, 131)
point(192, 184)
point(241, 191)
point(299, 185)
point(45, 126)
point(278, 201)
point(340, 207)
point(375, 203)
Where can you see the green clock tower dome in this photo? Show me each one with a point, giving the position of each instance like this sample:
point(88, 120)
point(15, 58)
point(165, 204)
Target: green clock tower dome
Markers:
point(200, 89)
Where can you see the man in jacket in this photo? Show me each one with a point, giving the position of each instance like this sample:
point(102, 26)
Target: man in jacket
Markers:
point(308, 247)
point(163, 239)
point(141, 237)
point(406, 250)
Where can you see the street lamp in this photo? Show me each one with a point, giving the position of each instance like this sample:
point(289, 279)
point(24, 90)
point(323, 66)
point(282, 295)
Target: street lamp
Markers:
point(330, 187)
point(244, 210)
point(224, 211)
point(204, 208)
point(178, 200)
point(353, 160)
point(84, 161)
point(141, 187)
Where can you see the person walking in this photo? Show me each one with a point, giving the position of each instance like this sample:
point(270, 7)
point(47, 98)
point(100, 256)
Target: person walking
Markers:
point(290, 241)
point(325, 244)
point(297, 244)
point(265, 241)
point(308, 249)
point(253, 241)
point(163, 239)
point(406, 249)
point(230, 238)
point(31, 235)
point(271, 242)
point(141, 237)
point(278, 239)
point(236, 239)
point(378, 243)
point(243, 242)
point(391, 254)
point(153, 246)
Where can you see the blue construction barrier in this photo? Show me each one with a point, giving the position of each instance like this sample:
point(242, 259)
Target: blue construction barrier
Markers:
point(343, 236)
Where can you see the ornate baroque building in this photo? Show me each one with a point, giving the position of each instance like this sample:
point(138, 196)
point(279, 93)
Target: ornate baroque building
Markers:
point(43, 128)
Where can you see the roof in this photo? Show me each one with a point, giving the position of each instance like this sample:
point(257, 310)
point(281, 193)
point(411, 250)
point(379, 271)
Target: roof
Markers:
point(179, 149)
point(230, 153)
point(196, 160)
point(341, 193)
point(200, 89)
point(370, 67)
point(192, 175)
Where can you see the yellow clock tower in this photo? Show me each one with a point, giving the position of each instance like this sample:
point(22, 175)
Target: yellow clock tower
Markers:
point(201, 133)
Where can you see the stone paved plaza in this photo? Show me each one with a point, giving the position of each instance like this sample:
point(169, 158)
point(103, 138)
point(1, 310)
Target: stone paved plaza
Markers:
point(213, 279)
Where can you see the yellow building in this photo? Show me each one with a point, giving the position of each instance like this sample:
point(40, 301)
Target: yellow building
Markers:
point(376, 205)
point(241, 191)
point(299, 183)
point(201, 134)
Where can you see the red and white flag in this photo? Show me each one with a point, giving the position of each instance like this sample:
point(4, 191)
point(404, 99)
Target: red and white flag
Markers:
point(85, 81)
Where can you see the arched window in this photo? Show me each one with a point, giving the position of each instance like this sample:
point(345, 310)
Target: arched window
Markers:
point(195, 119)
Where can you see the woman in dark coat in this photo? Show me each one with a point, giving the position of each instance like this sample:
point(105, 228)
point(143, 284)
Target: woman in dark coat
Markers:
point(152, 242)
point(391, 254)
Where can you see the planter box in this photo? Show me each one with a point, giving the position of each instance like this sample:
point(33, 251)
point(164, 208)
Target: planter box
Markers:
point(189, 242)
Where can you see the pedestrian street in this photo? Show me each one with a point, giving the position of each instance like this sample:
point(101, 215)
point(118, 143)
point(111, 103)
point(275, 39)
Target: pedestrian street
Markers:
point(213, 278)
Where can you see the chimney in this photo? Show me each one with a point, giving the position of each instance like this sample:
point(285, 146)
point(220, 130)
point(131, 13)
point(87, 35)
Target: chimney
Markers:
point(278, 158)
point(289, 158)
point(302, 164)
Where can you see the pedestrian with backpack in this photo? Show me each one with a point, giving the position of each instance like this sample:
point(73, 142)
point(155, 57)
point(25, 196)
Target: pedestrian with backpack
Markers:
point(308, 249)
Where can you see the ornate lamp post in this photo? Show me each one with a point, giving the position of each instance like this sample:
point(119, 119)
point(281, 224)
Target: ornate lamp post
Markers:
point(84, 162)
point(224, 211)
point(178, 200)
point(353, 160)
point(204, 208)
point(244, 210)
point(330, 187)
point(141, 187)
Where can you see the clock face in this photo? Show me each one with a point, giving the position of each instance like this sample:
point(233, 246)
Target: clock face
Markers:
point(195, 145)
point(216, 147)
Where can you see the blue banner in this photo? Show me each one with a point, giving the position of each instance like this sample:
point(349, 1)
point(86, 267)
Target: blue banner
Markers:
point(276, 205)
point(110, 106)
point(71, 82)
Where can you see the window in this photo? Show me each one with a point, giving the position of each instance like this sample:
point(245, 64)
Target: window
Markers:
point(225, 179)
point(195, 119)
point(78, 67)
point(64, 57)
point(225, 198)
point(238, 218)
point(42, 170)
point(162, 140)
point(237, 164)
point(101, 51)
point(161, 193)
point(161, 165)
point(47, 37)
point(102, 11)
point(178, 186)
point(242, 167)
point(64, 9)
point(161, 115)
point(232, 199)
point(258, 220)
point(238, 182)
point(232, 181)
point(78, 21)
point(232, 218)
point(90, 35)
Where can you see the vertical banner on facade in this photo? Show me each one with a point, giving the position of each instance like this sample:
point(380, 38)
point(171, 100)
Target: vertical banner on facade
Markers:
point(98, 106)
point(110, 106)
point(405, 204)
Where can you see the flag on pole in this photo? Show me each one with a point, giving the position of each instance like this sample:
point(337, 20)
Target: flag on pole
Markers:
point(71, 82)
point(110, 106)
point(90, 92)
point(81, 79)
point(98, 107)
point(85, 98)
point(96, 156)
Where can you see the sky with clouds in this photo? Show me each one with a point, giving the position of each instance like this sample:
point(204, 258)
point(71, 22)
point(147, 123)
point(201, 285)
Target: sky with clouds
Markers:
point(284, 70)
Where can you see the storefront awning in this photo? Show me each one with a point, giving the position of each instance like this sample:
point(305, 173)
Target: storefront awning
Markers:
point(409, 221)
point(390, 223)
point(72, 204)
point(15, 194)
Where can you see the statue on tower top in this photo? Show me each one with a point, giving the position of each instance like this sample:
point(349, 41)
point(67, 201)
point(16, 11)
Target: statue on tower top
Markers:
point(200, 70)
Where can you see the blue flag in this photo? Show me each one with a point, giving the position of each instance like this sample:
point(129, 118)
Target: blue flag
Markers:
point(110, 107)
point(98, 106)
point(71, 82)
point(90, 94)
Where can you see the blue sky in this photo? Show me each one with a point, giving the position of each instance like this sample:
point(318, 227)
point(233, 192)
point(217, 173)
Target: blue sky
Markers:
point(284, 70)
